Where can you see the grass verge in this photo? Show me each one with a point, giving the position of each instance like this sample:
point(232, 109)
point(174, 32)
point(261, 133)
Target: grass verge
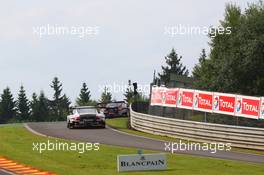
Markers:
point(16, 144)
point(122, 125)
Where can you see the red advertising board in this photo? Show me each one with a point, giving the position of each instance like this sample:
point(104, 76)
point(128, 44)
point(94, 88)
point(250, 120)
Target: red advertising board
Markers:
point(171, 97)
point(230, 104)
point(157, 96)
point(224, 103)
point(203, 101)
point(185, 98)
point(247, 106)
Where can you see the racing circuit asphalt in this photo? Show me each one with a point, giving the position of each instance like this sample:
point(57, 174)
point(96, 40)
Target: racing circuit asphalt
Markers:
point(3, 172)
point(110, 136)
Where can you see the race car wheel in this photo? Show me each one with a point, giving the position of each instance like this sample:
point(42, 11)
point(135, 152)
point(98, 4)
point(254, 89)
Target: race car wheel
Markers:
point(69, 125)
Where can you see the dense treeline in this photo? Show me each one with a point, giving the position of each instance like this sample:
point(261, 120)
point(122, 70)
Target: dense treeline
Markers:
point(40, 108)
point(236, 61)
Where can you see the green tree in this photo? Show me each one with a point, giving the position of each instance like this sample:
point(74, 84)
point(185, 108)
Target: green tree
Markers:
point(39, 108)
point(197, 68)
point(34, 107)
point(106, 96)
point(58, 104)
point(65, 106)
point(7, 106)
point(142, 98)
point(22, 105)
point(42, 112)
point(201, 72)
point(174, 66)
point(84, 96)
point(129, 93)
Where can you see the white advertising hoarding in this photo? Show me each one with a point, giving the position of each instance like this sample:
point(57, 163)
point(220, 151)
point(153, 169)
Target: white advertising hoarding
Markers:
point(185, 98)
point(224, 103)
point(171, 96)
point(158, 96)
point(141, 162)
point(203, 101)
point(247, 106)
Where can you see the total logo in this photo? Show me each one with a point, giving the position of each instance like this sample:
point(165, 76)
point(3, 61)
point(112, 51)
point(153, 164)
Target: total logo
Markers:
point(216, 102)
point(186, 99)
point(226, 104)
point(205, 102)
point(170, 97)
point(249, 107)
point(238, 105)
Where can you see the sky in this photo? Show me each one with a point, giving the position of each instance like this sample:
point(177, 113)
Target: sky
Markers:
point(127, 41)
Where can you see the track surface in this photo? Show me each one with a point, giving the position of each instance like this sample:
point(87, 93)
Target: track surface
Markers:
point(4, 173)
point(112, 137)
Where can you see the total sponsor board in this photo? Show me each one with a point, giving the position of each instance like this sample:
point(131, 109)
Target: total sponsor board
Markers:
point(203, 101)
point(185, 98)
point(158, 96)
point(247, 106)
point(230, 104)
point(170, 97)
point(224, 103)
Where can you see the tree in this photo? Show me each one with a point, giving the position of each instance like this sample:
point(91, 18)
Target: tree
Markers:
point(22, 105)
point(65, 106)
point(129, 93)
point(58, 104)
point(174, 66)
point(57, 98)
point(34, 107)
point(106, 96)
point(42, 108)
point(201, 72)
point(142, 98)
point(7, 106)
point(84, 96)
point(39, 108)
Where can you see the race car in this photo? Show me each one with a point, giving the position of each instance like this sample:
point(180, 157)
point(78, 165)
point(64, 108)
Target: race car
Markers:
point(84, 116)
point(116, 109)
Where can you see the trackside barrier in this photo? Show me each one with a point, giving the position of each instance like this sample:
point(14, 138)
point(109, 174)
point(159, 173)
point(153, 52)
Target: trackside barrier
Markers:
point(241, 137)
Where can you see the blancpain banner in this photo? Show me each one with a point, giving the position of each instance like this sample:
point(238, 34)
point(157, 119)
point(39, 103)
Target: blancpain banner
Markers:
point(140, 162)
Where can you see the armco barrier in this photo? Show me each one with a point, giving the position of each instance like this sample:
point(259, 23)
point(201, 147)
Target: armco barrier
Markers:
point(241, 137)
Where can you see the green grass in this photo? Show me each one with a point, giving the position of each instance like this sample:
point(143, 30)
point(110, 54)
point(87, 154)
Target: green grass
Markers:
point(16, 144)
point(122, 125)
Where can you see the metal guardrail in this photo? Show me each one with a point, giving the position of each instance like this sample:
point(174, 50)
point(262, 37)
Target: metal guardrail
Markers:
point(241, 137)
